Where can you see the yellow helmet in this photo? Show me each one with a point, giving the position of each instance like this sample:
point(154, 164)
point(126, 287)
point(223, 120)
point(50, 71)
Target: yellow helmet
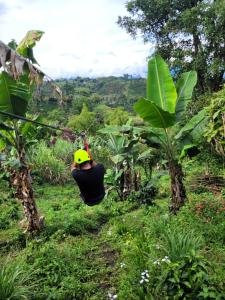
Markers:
point(81, 156)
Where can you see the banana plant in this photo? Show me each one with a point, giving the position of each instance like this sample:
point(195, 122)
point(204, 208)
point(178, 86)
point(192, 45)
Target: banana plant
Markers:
point(16, 88)
point(163, 109)
point(123, 144)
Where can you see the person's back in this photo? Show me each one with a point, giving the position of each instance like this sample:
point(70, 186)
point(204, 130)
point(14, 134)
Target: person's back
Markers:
point(89, 177)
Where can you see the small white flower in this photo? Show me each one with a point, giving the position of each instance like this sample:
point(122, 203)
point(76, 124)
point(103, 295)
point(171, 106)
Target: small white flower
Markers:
point(156, 262)
point(109, 232)
point(111, 296)
point(146, 280)
point(157, 246)
point(141, 281)
point(122, 264)
point(166, 259)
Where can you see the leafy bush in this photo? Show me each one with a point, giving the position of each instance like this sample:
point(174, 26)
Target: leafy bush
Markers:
point(178, 244)
point(63, 150)
point(47, 166)
point(185, 279)
point(146, 194)
point(209, 208)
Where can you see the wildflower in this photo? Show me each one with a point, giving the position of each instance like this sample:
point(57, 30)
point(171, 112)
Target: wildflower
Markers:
point(166, 259)
point(157, 246)
point(111, 296)
point(122, 264)
point(109, 232)
point(156, 262)
point(144, 277)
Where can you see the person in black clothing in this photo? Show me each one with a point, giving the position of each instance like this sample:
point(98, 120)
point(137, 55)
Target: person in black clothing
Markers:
point(89, 177)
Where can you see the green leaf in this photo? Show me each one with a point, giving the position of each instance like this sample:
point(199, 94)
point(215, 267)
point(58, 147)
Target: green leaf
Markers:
point(153, 114)
point(185, 86)
point(117, 158)
point(5, 127)
point(2, 146)
point(110, 129)
point(29, 41)
point(185, 150)
point(192, 124)
point(14, 95)
point(160, 86)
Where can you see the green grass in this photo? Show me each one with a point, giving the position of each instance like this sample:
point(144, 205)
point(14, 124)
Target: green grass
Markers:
point(86, 252)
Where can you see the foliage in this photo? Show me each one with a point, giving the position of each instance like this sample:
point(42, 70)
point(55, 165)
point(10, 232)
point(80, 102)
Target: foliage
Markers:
point(178, 244)
point(146, 194)
point(163, 109)
point(186, 278)
point(116, 116)
point(47, 166)
point(85, 121)
point(63, 150)
point(215, 131)
point(15, 283)
point(184, 35)
point(208, 208)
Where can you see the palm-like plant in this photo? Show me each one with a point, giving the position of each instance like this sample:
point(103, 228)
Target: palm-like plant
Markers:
point(16, 88)
point(163, 108)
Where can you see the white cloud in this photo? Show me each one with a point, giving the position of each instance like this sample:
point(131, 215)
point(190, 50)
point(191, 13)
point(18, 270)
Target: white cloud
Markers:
point(80, 35)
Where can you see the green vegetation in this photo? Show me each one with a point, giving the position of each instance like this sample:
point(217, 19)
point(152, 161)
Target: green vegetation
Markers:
point(184, 35)
point(159, 232)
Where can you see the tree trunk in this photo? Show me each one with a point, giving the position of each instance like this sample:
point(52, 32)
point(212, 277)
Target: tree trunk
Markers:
point(127, 181)
point(24, 192)
point(137, 180)
point(177, 186)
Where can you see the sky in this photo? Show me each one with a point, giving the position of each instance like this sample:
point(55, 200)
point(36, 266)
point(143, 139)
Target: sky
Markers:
point(81, 36)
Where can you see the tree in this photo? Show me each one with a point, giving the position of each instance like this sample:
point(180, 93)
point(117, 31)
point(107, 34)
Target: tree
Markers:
point(163, 109)
point(124, 145)
point(116, 116)
point(16, 88)
point(188, 34)
point(85, 121)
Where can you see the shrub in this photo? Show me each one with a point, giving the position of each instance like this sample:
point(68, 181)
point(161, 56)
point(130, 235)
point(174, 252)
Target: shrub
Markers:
point(145, 195)
point(178, 244)
point(63, 150)
point(185, 279)
point(47, 166)
point(208, 207)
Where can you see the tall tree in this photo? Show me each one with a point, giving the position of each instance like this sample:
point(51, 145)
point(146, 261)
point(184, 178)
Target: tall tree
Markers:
point(189, 34)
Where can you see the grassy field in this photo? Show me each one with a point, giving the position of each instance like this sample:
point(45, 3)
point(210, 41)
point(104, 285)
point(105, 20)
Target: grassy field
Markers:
point(104, 252)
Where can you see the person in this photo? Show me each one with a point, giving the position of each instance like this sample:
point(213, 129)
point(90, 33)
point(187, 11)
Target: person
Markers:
point(89, 177)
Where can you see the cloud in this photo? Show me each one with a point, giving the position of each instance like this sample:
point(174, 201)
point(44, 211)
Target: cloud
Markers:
point(3, 9)
point(81, 37)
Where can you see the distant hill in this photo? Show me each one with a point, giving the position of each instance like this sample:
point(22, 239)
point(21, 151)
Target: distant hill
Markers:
point(111, 91)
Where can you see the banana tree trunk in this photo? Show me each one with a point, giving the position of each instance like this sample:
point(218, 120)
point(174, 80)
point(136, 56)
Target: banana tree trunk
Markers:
point(177, 187)
point(24, 192)
point(127, 181)
point(137, 180)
